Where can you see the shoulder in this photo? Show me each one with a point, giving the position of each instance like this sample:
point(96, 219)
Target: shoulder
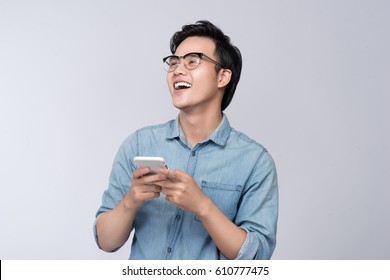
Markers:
point(149, 130)
point(155, 127)
point(145, 138)
point(244, 140)
point(252, 149)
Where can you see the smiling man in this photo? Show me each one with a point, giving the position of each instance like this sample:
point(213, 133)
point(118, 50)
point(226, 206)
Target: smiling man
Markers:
point(219, 199)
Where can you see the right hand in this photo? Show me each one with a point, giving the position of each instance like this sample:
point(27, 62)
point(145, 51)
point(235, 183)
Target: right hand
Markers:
point(144, 186)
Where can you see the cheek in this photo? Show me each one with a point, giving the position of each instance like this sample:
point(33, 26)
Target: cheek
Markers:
point(207, 81)
point(169, 82)
point(168, 79)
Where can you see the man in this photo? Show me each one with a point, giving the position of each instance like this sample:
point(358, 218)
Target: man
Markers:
point(219, 199)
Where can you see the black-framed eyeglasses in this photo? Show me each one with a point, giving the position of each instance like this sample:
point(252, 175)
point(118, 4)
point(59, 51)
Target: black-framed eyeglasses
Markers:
point(191, 61)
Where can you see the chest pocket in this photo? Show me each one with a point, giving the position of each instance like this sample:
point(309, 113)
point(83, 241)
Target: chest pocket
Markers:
point(225, 196)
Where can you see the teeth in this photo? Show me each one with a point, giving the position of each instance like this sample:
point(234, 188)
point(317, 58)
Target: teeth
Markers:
point(182, 84)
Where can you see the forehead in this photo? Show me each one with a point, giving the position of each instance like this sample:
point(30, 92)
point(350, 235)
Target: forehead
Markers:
point(196, 44)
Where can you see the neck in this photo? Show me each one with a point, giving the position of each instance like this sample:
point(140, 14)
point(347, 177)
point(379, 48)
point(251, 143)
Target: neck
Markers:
point(198, 127)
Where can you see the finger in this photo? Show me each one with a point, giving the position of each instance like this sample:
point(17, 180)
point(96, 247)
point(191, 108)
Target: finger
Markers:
point(171, 199)
point(149, 195)
point(166, 191)
point(166, 184)
point(151, 188)
point(138, 197)
point(152, 178)
point(138, 173)
point(173, 175)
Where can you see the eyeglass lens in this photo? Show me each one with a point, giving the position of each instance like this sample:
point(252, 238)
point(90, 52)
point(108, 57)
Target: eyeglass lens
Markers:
point(191, 61)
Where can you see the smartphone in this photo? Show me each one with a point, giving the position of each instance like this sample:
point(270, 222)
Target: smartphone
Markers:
point(154, 163)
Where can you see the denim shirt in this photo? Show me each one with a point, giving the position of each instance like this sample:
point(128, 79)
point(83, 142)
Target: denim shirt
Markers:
point(234, 171)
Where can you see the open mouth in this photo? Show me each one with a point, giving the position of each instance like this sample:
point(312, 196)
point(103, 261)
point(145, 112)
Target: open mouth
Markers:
point(182, 85)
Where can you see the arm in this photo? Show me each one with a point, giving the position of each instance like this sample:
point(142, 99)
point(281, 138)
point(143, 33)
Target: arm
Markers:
point(228, 237)
point(258, 210)
point(253, 233)
point(113, 227)
point(182, 190)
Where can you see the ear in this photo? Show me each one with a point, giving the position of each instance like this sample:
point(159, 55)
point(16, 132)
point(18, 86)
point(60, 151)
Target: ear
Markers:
point(224, 77)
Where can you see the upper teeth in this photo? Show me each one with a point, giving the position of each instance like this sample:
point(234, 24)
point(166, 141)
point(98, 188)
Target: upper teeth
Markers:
point(182, 84)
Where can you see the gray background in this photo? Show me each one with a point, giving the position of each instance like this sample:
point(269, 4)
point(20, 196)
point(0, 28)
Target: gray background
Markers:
point(76, 77)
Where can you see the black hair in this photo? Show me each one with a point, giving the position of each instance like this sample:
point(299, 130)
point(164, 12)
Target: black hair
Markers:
point(228, 54)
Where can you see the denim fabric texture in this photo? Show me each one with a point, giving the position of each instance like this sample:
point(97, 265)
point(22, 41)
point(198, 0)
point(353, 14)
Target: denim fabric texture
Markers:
point(234, 171)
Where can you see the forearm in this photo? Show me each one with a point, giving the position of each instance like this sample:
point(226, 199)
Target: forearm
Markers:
point(228, 237)
point(114, 227)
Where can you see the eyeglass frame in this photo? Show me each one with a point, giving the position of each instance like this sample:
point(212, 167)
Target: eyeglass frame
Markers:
point(201, 55)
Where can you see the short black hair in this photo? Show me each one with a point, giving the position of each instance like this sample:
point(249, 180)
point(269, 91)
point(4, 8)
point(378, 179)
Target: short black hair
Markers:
point(228, 54)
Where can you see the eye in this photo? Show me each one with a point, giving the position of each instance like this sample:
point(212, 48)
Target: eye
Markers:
point(173, 61)
point(192, 59)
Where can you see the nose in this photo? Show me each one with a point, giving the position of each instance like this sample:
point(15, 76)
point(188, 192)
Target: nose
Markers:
point(180, 69)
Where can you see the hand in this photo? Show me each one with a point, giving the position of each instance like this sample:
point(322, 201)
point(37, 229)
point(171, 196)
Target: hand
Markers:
point(181, 190)
point(144, 186)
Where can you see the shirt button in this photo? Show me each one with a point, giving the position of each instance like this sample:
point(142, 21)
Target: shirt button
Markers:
point(193, 153)
point(169, 249)
point(177, 217)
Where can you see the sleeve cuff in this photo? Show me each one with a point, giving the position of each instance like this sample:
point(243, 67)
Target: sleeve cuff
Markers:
point(250, 247)
point(95, 232)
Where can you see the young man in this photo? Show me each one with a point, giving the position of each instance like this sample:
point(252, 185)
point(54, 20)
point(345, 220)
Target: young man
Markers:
point(219, 199)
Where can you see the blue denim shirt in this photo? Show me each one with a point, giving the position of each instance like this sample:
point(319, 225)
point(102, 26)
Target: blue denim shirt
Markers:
point(234, 171)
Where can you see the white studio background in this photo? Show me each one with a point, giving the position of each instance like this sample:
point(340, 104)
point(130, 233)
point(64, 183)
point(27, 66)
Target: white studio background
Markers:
point(76, 77)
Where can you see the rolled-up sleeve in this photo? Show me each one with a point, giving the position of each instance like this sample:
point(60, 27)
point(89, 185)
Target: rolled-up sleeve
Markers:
point(258, 211)
point(119, 181)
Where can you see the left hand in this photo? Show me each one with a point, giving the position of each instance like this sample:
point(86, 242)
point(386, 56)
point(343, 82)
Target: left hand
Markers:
point(181, 190)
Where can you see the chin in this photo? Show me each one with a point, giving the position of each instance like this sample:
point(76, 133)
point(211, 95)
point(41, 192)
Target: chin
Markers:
point(180, 106)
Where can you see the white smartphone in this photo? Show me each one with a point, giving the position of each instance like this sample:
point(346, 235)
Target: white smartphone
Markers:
point(154, 163)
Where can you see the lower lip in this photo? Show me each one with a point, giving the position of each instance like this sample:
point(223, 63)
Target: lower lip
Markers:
point(180, 90)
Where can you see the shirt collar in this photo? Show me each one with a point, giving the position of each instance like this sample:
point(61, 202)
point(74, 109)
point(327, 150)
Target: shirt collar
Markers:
point(219, 136)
